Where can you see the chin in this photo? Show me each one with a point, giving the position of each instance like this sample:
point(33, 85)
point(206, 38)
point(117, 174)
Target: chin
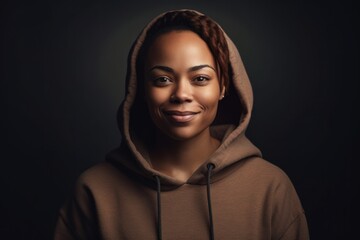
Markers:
point(181, 133)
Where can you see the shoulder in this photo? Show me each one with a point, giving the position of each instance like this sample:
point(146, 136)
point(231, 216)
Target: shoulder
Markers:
point(99, 177)
point(281, 189)
point(269, 179)
point(98, 172)
point(109, 167)
point(264, 170)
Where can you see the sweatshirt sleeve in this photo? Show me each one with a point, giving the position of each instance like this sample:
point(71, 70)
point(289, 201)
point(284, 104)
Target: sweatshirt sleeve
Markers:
point(77, 218)
point(288, 218)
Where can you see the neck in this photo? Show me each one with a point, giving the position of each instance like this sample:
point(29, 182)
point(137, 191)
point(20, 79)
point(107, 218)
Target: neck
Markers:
point(181, 158)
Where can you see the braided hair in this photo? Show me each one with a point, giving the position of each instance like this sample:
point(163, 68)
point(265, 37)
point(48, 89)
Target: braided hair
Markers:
point(207, 29)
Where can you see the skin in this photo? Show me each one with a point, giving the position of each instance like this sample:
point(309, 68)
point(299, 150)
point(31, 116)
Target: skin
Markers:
point(182, 91)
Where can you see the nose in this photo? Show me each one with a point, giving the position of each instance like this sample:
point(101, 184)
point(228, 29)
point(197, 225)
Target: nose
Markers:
point(182, 92)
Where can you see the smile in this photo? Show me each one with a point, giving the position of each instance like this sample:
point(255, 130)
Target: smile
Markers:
point(180, 116)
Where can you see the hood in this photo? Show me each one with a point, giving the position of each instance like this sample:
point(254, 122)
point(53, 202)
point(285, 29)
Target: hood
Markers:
point(230, 124)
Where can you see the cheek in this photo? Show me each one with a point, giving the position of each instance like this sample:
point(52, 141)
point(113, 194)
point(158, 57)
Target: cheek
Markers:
point(209, 98)
point(155, 97)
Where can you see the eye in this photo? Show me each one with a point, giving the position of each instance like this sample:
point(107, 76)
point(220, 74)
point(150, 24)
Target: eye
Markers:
point(162, 81)
point(201, 80)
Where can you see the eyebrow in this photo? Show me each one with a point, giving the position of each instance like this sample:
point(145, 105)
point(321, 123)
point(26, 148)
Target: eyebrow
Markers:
point(192, 69)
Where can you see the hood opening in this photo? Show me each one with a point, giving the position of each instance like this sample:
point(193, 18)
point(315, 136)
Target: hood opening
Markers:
point(229, 126)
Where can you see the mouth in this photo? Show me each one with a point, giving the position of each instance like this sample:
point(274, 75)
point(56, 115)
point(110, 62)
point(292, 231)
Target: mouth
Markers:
point(180, 116)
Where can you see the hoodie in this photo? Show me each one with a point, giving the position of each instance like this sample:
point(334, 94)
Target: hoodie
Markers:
point(235, 194)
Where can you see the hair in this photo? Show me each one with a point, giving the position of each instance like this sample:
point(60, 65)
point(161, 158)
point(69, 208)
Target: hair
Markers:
point(206, 28)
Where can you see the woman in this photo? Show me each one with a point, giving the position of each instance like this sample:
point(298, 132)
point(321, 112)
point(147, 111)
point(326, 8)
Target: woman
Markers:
point(185, 169)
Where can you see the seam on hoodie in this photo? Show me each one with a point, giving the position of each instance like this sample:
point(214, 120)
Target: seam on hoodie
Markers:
point(292, 222)
point(70, 229)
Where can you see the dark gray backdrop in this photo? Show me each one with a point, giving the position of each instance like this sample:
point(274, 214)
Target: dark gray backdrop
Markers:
point(62, 78)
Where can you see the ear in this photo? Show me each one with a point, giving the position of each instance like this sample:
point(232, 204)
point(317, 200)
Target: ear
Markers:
point(222, 93)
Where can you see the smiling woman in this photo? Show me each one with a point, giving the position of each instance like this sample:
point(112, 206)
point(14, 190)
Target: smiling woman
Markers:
point(182, 91)
point(185, 169)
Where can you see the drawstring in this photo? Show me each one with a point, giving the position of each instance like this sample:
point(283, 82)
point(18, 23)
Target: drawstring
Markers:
point(210, 166)
point(159, 233)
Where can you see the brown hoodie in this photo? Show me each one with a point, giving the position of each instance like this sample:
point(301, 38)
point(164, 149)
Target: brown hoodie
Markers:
point(243, 197)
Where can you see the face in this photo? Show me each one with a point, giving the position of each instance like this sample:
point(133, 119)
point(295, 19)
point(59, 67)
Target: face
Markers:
point(181, 84)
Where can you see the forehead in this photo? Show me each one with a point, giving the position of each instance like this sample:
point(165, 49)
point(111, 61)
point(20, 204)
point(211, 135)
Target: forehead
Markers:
point(179, 48)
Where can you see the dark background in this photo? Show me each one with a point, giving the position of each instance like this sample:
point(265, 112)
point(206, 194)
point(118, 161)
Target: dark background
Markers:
point(62, 78)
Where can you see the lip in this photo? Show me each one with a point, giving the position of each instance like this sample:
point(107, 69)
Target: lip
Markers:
point(180, 116)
